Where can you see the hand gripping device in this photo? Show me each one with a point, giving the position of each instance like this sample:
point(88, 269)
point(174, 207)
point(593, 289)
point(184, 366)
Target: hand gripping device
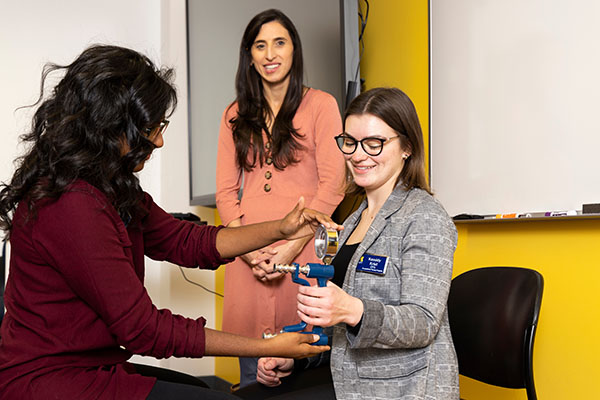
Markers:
point(326, 242)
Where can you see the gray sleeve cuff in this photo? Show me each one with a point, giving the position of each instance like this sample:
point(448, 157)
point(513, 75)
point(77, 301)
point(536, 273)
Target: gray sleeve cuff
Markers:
point(370, 326)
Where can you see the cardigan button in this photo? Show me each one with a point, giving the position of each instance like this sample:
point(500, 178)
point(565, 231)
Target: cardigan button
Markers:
point(268, 145)
point(267, 188)
point(269, 161)
point(268, 174)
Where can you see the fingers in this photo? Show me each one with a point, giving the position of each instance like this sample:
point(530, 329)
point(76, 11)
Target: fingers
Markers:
point(313, 306)
point(312, 294)
point(269, 250)
point(311, 319)
point(316, 305)
point(300, 204)
point(273, 276)
point(317, 218)
point(267, 378)
point(298, 211)
point(263, 276)
point(314, 315)
point(314, 350)
point(307, 338)
point(270, 369)
point(266, 266)
point(281, 366)
point(266, 366)
point(262, 256)
point(309, 349)
point(258, 273)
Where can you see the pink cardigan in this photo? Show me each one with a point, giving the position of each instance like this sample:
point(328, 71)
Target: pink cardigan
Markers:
point(76, 305)
point(252, 307)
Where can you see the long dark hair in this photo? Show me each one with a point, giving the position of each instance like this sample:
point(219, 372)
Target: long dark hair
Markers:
point(249, 123)
point(108, 96)
point(395, 108)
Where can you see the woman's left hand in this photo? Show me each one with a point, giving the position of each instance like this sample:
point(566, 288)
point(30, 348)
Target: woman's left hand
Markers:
point(288, 251)
point(302, 222)
point(328, 306)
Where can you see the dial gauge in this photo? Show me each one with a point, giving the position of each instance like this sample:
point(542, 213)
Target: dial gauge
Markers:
point(326, 243)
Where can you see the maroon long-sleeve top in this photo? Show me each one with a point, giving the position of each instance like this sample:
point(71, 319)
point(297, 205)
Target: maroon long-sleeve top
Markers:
point(76, 305)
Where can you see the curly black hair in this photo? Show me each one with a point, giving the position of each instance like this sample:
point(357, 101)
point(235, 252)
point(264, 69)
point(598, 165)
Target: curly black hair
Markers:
point(107, 99)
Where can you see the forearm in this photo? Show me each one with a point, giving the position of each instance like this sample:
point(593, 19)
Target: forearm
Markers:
point(235, 223)
point(220, 343)
point(297, 224)
point(298, 244)
point(287, 345)
point(380, 326)
point(234, 241)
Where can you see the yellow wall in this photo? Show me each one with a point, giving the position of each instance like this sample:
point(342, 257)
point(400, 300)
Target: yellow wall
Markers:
point(564, 251)
point(225, 367)
point(397, 52)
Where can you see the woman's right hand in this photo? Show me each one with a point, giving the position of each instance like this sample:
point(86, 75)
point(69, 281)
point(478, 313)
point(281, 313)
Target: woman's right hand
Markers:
point(260, 263)
point(270, 370)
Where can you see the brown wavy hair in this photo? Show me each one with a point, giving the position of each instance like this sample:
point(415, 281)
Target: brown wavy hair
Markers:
point(395, 108)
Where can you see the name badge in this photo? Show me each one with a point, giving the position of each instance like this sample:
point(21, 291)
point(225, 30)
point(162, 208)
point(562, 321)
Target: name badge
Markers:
point(373, 264)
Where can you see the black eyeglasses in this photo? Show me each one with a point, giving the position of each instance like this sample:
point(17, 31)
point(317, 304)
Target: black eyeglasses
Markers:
point(152, 133)
point(371, 145)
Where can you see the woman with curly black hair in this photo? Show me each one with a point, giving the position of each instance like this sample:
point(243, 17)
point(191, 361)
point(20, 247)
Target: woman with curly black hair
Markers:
point(80, 226)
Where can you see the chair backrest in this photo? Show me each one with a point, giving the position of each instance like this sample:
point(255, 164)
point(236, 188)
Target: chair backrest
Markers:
point(493, 316)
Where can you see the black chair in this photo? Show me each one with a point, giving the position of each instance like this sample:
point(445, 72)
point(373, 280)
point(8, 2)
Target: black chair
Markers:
point(493, 316)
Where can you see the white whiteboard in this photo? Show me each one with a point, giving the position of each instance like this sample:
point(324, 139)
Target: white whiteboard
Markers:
point(515, 104)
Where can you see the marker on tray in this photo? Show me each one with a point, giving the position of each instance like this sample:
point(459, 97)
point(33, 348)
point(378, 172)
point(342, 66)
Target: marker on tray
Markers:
point(560, 213)
point(512, 215)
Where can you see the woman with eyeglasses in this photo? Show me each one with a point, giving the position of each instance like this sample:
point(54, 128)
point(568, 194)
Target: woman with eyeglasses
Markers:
point(387, 300)
point(80, 226)
point(276, 139)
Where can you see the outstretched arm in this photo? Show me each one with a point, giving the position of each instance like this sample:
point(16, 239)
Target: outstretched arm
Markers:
point(288, 345)
point(299, 223)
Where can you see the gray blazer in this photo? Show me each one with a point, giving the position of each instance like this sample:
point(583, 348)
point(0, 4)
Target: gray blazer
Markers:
point(403, 349)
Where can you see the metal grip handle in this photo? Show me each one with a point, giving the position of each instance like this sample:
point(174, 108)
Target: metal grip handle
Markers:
point(295, 269)
point(305, 269)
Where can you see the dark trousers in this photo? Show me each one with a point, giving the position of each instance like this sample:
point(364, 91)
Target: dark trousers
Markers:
point(248, 367)
point(312, 384)
point(175, 385)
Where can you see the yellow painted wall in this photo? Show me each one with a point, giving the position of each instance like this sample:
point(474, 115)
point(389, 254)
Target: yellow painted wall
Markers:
point(564, 251)
point(225, 367)
point(397, 52)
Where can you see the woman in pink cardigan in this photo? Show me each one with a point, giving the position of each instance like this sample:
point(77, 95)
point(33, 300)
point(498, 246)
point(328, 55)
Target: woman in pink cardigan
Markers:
point(277, 140)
